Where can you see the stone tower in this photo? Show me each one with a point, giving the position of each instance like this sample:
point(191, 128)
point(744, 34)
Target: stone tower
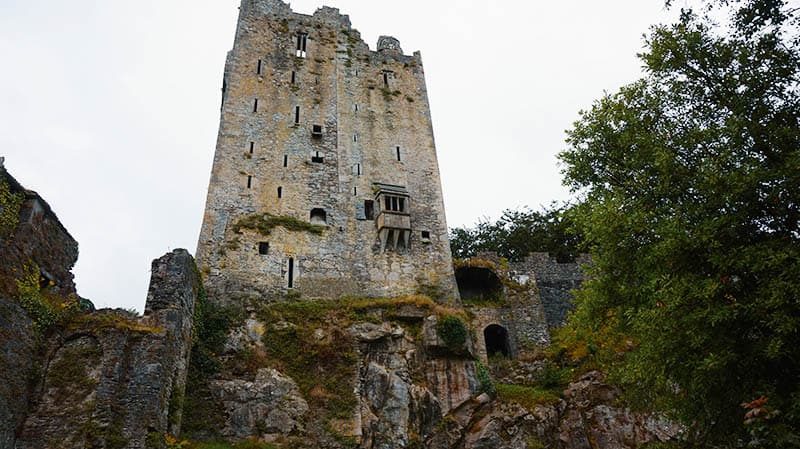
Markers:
point(325, 179)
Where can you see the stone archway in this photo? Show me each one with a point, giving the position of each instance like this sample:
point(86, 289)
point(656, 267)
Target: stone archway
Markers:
point(496, 339)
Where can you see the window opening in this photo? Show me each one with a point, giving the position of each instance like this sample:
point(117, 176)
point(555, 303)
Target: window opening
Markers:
point(285, 160)
point(397, 149)
point(291, 272)
point(296, 115)
point(386, 79)
point(263, 247)
point(355, 191)
point(317, 158)
point(258, 69)
point(358, 169)
point(426, 234)
point(319, 216)
point(355, 106)
point(316, 130)
point(369, 209)
point(255, 105)
point(293, 76)
point(402, 204)
point(251, 147)
point(302, 39)
point(280, 192)
point(355, 137)
point(249, 181)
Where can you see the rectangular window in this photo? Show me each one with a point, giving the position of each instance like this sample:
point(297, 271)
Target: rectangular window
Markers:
point(293, 77)
point(387, 203)
point(369, 209)
point(291, 273)
point(386, 78)
point(355, 107)
point(402, 204)
point(249, 181)
point(258, 68)
point(355, 191)
point(316, 158)
point(296, 115)
point(355, 137)
point(251, 147)
point(255, 105)
point(263, 247)
point(280, 192)
point(358, 169)
point(397, 149)
point(302, 39)
point(316, 130)
point(285, 160)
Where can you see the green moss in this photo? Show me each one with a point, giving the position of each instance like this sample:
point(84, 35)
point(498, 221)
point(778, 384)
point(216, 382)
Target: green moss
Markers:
point(453, 332)
point(526, 396)
point(45, 308)
point(484, 379)
point(10, 204)
point(265, 223)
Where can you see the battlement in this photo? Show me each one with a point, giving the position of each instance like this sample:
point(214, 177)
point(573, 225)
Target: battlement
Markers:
point(318, 130)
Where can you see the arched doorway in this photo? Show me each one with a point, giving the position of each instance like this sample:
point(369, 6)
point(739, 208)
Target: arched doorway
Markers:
point(496, 339)
point(478, 284)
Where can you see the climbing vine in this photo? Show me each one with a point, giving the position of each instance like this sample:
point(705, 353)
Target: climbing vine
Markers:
point(10, 204)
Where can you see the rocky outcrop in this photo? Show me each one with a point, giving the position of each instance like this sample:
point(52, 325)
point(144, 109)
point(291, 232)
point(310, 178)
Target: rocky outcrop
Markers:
point(588, 417)
point(111, 380)
point(18, 364)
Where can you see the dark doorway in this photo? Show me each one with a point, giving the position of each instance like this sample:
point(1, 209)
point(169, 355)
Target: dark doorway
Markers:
point(496, 338)
point(478, 284)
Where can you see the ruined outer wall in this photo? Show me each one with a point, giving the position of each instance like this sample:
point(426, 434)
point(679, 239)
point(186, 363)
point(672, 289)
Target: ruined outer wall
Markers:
point(109, 381)
point(555, 282)
point(339, 85)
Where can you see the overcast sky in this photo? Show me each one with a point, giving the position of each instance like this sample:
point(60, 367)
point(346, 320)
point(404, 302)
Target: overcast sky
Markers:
point(109, 109)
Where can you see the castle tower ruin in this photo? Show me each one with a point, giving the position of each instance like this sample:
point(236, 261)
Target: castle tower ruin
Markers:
point(325, 179)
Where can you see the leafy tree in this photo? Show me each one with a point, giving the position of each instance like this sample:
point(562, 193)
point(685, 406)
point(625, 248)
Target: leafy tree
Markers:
point(520, 232)
point(690, 188)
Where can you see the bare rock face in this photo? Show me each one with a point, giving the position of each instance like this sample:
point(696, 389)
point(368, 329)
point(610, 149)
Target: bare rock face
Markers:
point(585, 419)
point(17, 363)
point(269, 406)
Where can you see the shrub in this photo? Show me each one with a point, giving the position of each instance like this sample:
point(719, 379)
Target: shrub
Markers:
point(453, 332)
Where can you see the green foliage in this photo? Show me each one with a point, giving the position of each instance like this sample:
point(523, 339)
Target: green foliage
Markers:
point(528, 397)
point(484, 379)
point(201, 410)
point(453, 332)
point(518, 233)
point(10, 204)
point(265, 223)
point(45, 308)
point(689, 178)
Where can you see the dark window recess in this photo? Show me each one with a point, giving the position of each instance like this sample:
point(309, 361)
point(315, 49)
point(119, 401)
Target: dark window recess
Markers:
point(258, 68)
point(426, 234)
point(355, 137)
point(355, 191)
point(317, 158)
point(263, 247)
point(291, 273)
point(356, 107)
point(302, 40)
point(394, 204)
point(293, 76)
point(285, 160)
point(397, 150)
point(358, 169)
point(255, 105)
point(318, 216)
point(369, 209)
point(280, 192)
point(296, 115)
point(249, 181)
point(251, 146)
point(316, 130)
point(386, 79)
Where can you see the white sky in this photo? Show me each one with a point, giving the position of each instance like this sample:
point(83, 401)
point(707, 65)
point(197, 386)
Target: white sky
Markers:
point(109, 109)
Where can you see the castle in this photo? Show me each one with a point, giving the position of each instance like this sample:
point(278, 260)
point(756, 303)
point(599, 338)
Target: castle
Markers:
point(325, 180)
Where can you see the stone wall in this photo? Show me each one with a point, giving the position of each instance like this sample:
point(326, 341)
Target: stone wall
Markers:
point(366, 104)
point(111, 380)
point(555, 282)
